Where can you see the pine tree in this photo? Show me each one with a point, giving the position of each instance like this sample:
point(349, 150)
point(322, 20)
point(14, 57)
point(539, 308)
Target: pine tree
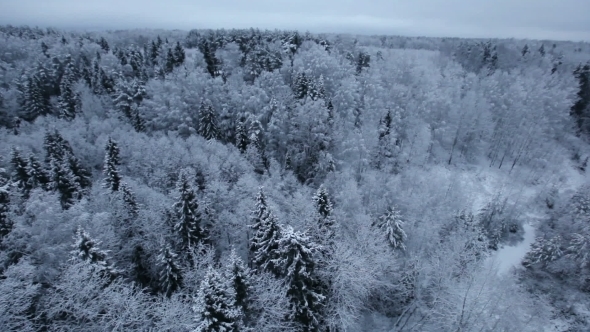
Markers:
point(297, 262)
point(179, 55)
point(214, 306)
point(301, 85)
point(63, 181)
point(5, 222)
point(56, 147)
point(391, 225)
point(20, 174)
point(68, 100)
point(34, 100)
point(38, 177)
point(86, 249)
point(188, 224)
point(242, 137)
point(238, 276)
point(81, 175)
point(580, 111)
point(170, 277)
point(170, 62)
point(112, 179)
point(104, 44)
point(544, 251)
point(140, 271)
point(208, 122)
point(130, 201)
point(264, 241)
point(325, 220)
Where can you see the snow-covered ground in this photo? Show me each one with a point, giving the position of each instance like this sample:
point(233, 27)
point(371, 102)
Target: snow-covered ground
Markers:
point(509, 257)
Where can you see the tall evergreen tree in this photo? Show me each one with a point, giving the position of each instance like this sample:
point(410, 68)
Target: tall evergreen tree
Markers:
point(140, 270)
point(298, 263)
point(208, 122)
point(86, 249)
point(68, 100)
point(179, 55)
point(170, 277)
point(38, 177)
point(581, 108)
point(130, 201)
point(63, 181)
point(5, 222)
point(391, 225)
point(214, 306)
point(20, 174)
point(265, 238)
point(325, 221)
point(112, 179)
point(188, 222)
point(238, 276)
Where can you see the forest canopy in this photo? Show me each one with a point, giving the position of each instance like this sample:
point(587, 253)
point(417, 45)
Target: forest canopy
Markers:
point(248, 180)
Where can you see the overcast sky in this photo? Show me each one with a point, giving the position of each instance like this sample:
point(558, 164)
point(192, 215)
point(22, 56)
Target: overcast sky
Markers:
point(538, 19)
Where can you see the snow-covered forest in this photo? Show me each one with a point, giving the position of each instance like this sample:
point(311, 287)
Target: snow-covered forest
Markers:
point(248, 180)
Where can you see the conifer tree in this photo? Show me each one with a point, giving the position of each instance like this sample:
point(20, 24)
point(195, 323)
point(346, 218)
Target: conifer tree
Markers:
point(5, 222)
point(112, 179)
point(34, 100)
point(129, 200)
point(63, 181)
point(68, 101)
point(242, 137)
point(300, 85)
point(208, 122)
point(38, 177)
point(104, 44)
point(297, 261)
point(20, 174)
point(581, 108)
point(170, 277)
point(179, 55)
point(214, 306)
point(238, 276)
point(86, 249)
point(140, 271)
point(264, 241)
point(188, 222)
point(391, 225)
point(324, 208)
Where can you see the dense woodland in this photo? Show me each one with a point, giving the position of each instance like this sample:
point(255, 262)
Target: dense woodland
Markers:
point(247, 180)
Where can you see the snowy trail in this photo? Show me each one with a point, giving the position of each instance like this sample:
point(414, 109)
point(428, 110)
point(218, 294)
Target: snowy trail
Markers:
point(508, 257)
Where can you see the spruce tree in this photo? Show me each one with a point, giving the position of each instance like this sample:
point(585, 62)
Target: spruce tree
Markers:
point(188, 222)
point(140, 271)
point(112, 179)
point(170, 276)
point(130, 201)
point(298, 263)
point(238, 276)
point(86, 249)
point(391, 225)
point(580, 111)
point(179, 55)
point(38, 177)
point(325, 220)
point(242, 137)
point(20, 174)
point(265, 243)
point(266, 234)
point(215, 305)
point(208, 122)
point(5, 222)
point(68, 100)
point(63, 181)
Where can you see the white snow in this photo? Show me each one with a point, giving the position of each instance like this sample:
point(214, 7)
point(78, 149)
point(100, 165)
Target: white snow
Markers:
point(509, 257)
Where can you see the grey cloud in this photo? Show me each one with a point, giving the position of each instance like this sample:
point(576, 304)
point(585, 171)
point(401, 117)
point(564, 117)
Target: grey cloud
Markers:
point(540, 19)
